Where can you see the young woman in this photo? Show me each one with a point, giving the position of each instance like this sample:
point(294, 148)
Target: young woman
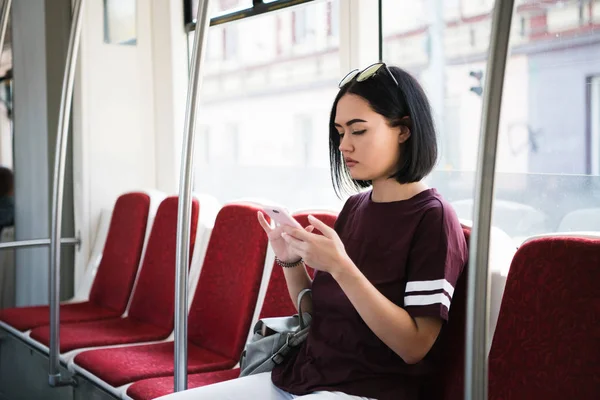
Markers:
point(386, 274)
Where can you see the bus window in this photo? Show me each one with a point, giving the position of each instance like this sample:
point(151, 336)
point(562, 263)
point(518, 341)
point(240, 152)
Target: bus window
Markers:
point(267, 90)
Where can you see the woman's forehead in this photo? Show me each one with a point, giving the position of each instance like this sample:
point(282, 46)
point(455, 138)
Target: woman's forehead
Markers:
point(352, 104)
point(351, 107)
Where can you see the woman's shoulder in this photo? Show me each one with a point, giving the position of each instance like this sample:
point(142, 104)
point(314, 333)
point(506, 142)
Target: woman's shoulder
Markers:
point(350, 208)
point(437, 211)
point(431, 200)
point(355, 201)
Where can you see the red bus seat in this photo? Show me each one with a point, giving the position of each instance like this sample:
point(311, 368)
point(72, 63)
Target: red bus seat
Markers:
point(547, 337)
point(277, 303)
point(221, 311)
point(115, 275)
point(151, 312)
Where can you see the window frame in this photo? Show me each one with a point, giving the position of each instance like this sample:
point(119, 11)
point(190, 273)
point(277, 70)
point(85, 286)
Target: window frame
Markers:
point(257, 8)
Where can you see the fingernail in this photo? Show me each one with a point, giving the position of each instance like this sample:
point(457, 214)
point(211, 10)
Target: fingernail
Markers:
point(311, 217)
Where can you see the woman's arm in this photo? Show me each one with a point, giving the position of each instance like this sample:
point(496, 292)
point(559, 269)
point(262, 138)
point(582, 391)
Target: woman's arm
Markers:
point(410, 338)
point(297, 279)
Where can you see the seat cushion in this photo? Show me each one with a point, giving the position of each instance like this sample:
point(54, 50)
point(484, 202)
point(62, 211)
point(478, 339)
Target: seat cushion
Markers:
point(102, 333)
point(156, 387)
point(118, 366)
point(26, 318)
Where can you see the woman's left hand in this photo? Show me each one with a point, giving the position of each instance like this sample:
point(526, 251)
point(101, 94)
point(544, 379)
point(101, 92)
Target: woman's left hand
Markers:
point(324, 253)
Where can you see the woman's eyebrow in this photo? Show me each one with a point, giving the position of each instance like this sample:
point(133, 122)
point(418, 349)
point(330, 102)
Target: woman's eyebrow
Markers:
point(352, 121)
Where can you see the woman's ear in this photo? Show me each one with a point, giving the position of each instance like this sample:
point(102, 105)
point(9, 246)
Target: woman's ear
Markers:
point(404, 129)
point(404, 134)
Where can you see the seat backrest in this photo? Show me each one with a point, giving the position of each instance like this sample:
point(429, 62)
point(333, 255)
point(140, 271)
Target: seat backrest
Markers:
point(514, 218)
point(96, 248)
point(154, 295)
point(206, 222)
point(122, 252)
point(227, 290)
point(546, 340)
point(448, 382)
point(277, 301)
point(587, 219)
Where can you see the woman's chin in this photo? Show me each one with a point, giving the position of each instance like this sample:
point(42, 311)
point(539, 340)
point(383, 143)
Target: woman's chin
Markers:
point(360, 177)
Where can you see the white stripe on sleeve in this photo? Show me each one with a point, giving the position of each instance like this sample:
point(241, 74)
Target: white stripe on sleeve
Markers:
point(427, 299)
point(428, 286)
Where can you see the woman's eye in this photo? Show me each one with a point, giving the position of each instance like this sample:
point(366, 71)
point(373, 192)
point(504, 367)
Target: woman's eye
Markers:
point(359, 132)
point(341, 135)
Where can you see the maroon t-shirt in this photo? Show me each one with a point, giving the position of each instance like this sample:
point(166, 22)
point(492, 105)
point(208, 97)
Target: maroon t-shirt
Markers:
point(413, 251)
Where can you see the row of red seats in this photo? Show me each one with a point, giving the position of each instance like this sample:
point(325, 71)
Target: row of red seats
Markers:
point(115, 276)
point(221, 311)
point(544, 344)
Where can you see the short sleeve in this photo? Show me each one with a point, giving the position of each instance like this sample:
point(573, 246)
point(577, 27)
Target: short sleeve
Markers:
point(436, 259)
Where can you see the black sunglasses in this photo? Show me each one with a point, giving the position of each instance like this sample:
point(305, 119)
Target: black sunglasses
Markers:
point(366, 73)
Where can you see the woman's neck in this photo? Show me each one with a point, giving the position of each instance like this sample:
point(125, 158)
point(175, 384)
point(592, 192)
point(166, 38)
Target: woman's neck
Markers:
point(385, 191)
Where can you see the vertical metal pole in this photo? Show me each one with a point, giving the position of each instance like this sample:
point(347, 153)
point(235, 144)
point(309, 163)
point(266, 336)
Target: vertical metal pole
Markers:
point(184, 205)
point(4, 22)
point(54, 377)
point(476, 363)
point(380, 28)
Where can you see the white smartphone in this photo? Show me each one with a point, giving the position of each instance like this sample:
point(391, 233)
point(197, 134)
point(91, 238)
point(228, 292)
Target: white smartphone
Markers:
point(281, 216)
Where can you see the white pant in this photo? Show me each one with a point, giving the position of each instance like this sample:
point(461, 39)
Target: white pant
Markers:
point(257, 386)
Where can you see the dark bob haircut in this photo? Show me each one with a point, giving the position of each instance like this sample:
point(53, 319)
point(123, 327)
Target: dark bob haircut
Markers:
point(418, 154)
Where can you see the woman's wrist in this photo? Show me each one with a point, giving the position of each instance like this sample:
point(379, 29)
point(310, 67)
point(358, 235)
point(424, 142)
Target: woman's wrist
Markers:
point(289, 263)
point(345, 270)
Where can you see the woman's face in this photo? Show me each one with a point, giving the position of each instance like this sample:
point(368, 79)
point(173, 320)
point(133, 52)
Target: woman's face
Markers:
point(369, 146)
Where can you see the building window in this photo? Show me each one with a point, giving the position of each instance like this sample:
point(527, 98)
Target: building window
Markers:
point(303, 139)
point(302, 25)
point(223, 145)
point(278, 45)
point(230, 42)
point(333, 18)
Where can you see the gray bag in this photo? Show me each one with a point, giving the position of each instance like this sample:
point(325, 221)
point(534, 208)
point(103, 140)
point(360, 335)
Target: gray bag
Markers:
point(273, 340)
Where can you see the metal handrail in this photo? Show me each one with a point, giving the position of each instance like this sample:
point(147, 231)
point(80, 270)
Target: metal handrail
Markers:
point(37, 243)
point(478, 290)
point(54, 376)
point(184, 205)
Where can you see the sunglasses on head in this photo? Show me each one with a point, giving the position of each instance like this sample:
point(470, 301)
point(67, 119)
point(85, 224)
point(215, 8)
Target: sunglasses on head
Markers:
point(366, 73)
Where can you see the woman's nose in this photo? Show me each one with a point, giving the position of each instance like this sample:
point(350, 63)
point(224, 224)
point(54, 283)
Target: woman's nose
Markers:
point(345, 144)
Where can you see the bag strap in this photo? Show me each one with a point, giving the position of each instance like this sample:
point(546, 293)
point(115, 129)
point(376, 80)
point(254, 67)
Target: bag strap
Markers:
point(300, 313)
point(292, 341)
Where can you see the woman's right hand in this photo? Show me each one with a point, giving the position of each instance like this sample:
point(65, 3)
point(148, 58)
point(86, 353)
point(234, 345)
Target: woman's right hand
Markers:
point(280, 247)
